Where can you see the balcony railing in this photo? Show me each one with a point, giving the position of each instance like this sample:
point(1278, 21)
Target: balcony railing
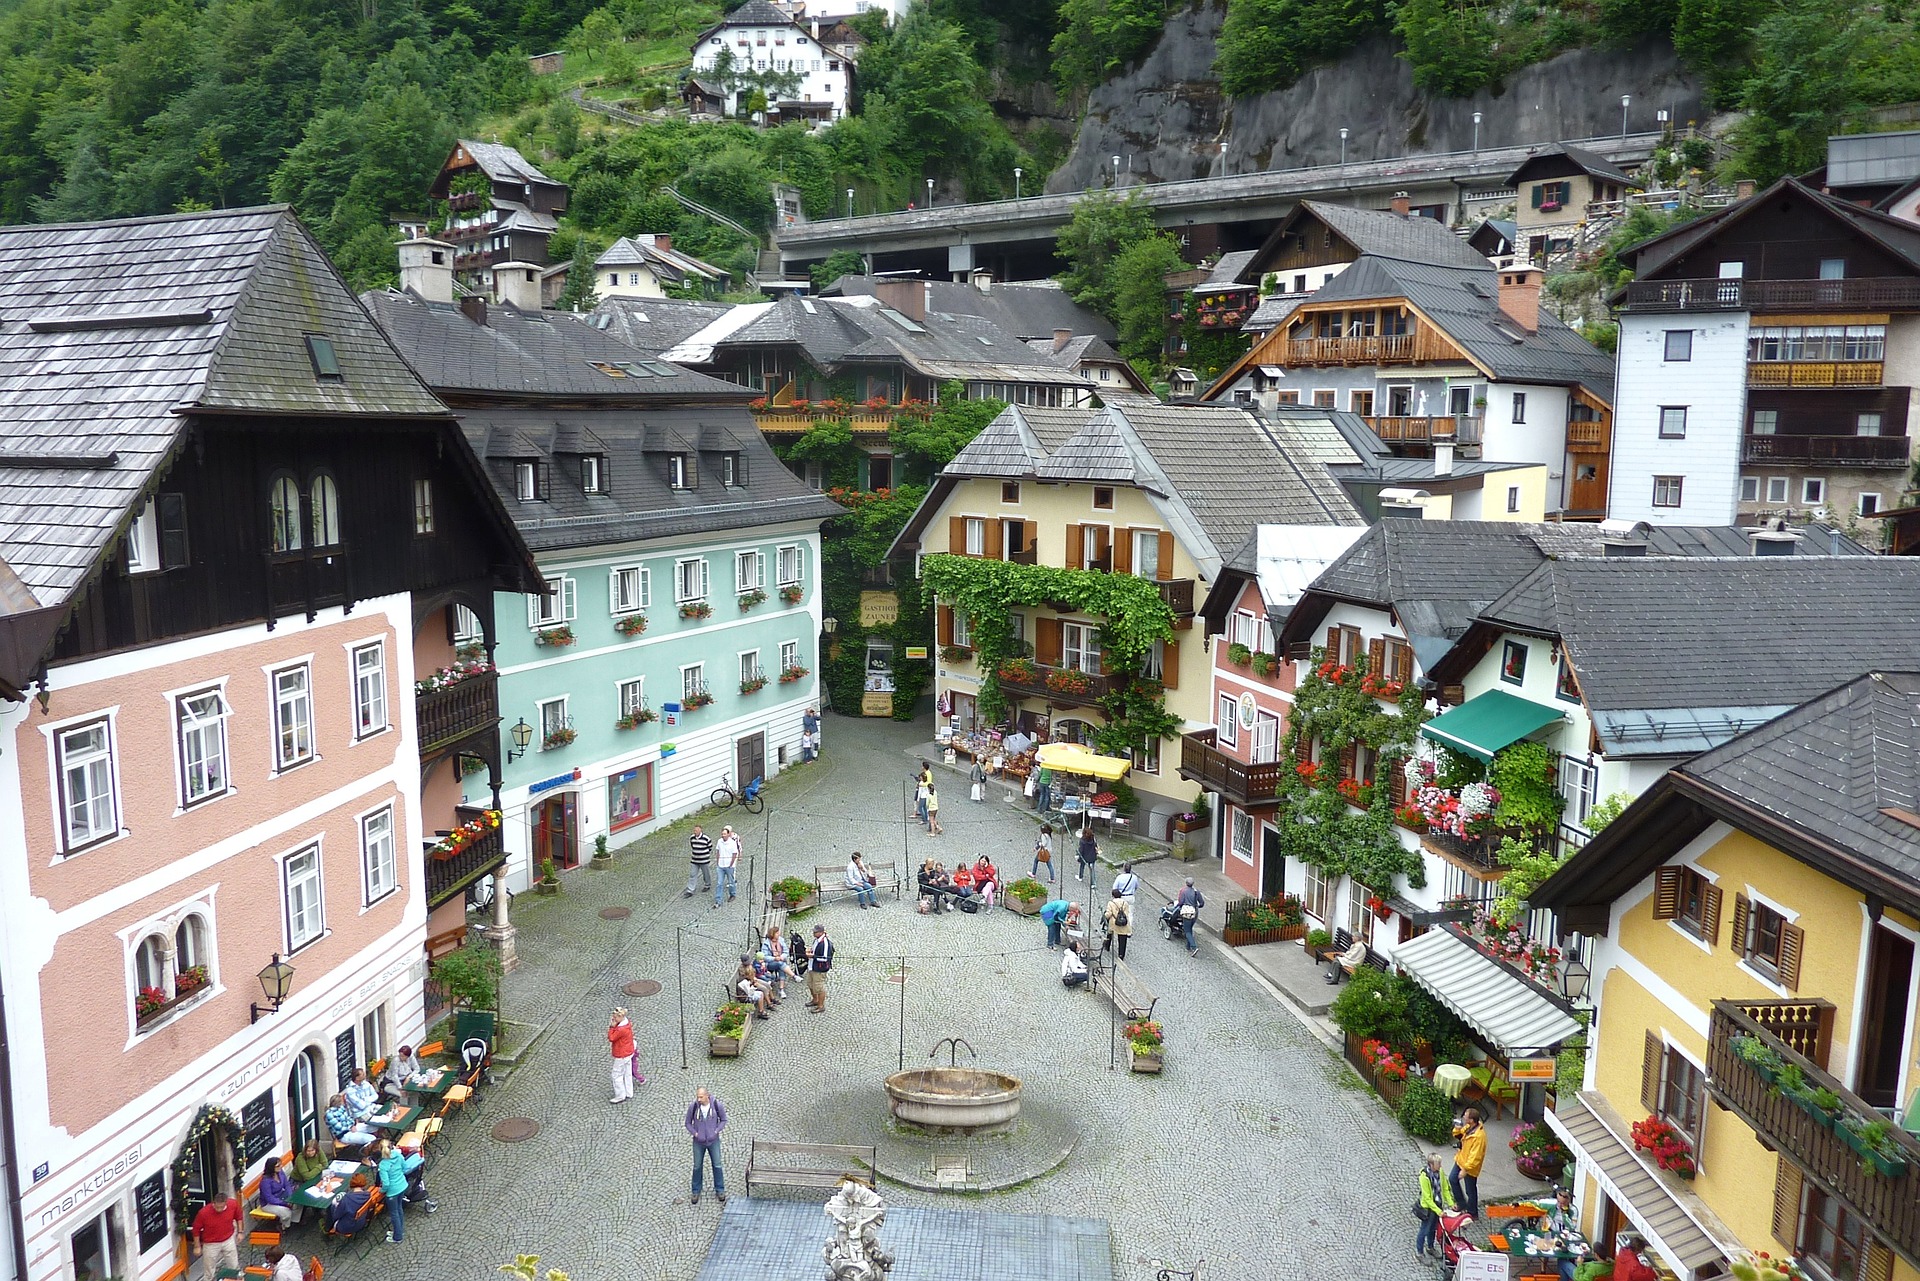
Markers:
point(1586, 432)
point(1376, 349)
point(448, 715)
point(311, 579)
point(1760, 295)
point(1459, 429)
point(1097, 685)
point(1845, 451)
point(1815, 373)
point(1481, 849)
point(1240, 782)
point(1178, 593)
point(1889, 1205)
point(794, 421)
point(449, 875)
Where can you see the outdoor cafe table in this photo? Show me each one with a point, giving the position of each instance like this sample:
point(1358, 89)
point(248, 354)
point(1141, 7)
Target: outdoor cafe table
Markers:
point(321, 1193)
point(1450, 1079)
point(1527, 1243)
point(396, 1118)
point(433, 1083)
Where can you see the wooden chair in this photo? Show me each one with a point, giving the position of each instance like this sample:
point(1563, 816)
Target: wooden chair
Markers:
point(432, 1048)
point(260, 1239)
point(376, 1067)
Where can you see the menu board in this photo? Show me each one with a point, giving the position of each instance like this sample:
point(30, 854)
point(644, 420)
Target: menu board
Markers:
point(256, 1119)
point(150, 1210)
point(343, 1057)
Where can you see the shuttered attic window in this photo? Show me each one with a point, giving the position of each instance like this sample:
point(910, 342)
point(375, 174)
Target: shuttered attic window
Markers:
point(320, 351)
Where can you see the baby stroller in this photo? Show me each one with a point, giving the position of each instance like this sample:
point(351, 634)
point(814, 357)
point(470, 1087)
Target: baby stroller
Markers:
point(1452, 1239)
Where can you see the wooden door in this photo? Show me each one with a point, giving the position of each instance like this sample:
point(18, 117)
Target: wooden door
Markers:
point(1883, 1031)
point(750, 759)
point(1273, 865)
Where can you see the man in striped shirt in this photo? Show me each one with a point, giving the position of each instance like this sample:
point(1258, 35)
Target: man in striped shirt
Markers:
point(700, 862)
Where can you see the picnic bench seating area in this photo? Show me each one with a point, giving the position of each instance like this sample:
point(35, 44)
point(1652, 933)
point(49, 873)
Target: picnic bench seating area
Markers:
point(1342, 944)
point(833, 880)
point(1133, 998)
point(808, 1165)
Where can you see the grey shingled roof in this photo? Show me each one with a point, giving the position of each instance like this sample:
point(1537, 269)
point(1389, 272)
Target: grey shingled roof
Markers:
point(1227, 270)
point(504, 164)
point(1390, 235)
point(634, 251)
point(212, 309)
point(1586, 161)
point(1096, 452)
point(653, 325)
point(1902, 239)
point(1273, 309)
point(1025, 309)
point(528, 354)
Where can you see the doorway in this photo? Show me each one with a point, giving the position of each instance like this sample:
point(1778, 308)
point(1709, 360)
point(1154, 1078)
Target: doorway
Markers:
point(1883, 1030)
point(303, 1096)
point(556, 831)
point(100, 1250)
point(749, 759)
point(1273, 865)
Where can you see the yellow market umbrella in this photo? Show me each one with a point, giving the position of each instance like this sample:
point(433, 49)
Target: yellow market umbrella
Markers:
point(1071, 758)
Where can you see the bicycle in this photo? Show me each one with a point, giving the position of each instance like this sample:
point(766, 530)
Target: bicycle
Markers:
point(724, 796)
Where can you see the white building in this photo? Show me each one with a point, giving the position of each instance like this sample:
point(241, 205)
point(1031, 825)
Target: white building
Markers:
point(758, 46)
point(645, 266)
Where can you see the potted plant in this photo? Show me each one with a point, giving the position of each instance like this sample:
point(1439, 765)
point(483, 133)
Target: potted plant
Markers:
point(630, 624)
point(1264, 664)
point(1025, 896)
point(729, 1032)
point(1872, 1140)
point(557, 738)
point(749, 599)
point(1538, 1154)
point(549, 882)
point(1761, 1059)
point(601, 854)
point(149, 1004)
point(1823, 1105)
point(1378, 906)
point(556, 637)
point(1316, 942)
point(696, 609)
point(792, 593)
point(1146, 1046)
point(1668, 1147)
point(636, 718)
point(799, 896)
point(189, 981)
point(955, 654)
point(1239, 655)
point(791, 673)
point(694, 702)
point(753, 685)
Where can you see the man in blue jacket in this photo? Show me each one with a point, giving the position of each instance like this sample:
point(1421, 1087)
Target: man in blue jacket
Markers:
point(1054, 912)
point(705, 1119)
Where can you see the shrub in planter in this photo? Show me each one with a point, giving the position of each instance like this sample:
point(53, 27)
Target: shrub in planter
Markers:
point(554, 636)
point(1239, 655)
point(792, 593)
point(630, 624)
point(1264, 664)
point(1425, 1113)
point(792, 889)
point(696, 609)
point(1538, 1153)
point(1371, 1005)
point(1318, 940)
point(749, 599)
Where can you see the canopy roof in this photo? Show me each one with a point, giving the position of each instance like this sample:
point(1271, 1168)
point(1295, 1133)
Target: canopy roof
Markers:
point(1071, 758)
point(1488, 722)
point(1517, 1015)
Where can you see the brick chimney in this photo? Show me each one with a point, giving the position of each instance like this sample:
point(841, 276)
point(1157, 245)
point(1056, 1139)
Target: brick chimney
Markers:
point(517, 284)
point(908, 297)
point(1520, 296)
point(1402, 204)
point(1061, 337)
point(474, 308)
point(426, 269)
point(663, 242)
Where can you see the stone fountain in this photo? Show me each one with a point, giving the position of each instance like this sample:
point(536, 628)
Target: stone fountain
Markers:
point(953, 1099)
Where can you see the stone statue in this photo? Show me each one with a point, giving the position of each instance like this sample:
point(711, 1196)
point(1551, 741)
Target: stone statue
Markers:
point(853, 1252)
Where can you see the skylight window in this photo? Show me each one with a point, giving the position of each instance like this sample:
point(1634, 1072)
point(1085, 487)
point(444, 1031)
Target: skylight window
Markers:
point(610, 370)
point(809, 308)
point(320, 351)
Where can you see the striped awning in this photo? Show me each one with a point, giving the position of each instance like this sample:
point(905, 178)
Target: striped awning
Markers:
point(1511, 1011)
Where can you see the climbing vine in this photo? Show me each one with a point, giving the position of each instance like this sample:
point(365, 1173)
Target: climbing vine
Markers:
point(1336, 706)
point(853, 545)
point(209, 1119)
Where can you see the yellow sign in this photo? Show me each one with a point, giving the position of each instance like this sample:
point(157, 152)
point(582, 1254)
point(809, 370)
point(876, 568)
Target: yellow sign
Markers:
point(916, 651)
point(1530, 1070)
point(876, 704)
point(878, 609)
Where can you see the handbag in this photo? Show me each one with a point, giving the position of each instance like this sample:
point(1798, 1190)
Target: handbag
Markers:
point(1030, 785)
point(634, 1061)
point(979, 791)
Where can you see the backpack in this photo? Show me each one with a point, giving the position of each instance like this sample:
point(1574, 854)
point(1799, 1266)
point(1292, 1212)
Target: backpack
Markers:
point(1120, 919)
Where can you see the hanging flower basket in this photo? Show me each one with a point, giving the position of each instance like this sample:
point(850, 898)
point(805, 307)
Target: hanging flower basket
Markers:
point(630, 624)
point(696, 609)
point(557, 637)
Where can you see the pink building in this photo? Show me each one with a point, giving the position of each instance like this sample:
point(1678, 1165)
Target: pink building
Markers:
point(236, 529)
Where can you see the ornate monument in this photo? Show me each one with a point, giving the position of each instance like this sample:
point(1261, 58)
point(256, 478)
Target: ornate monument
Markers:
point(853, 1252)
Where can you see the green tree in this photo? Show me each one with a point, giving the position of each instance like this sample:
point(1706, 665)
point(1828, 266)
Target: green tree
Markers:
point(841, 262)
point(925, 444)
point(1712, 37)
point(1139, 277)
point(1266, 44)
point(1450, 45)
point(1813, 60)
point(1099, 37)
point(578, 294)
point(1103, 227)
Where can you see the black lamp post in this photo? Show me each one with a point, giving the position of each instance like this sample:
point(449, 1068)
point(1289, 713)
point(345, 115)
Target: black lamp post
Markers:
point(277, 982)
point(522, 735)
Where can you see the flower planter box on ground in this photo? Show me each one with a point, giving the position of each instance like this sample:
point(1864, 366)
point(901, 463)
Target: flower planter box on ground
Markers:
point(1023, 907)
point(548, 888)
point(806, 904)
point(728, 1047)
point(1150, 1064)
point(1249, 938)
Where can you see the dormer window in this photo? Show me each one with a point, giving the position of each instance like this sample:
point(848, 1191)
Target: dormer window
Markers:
point(529, 482)
point(733, 472)
point(320, 351)
point(679, 474)
point(593, 474)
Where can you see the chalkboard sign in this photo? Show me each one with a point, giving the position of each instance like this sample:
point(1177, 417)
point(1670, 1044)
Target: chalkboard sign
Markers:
point(343, 1058)
point(150, 1210)
point(256, 1119)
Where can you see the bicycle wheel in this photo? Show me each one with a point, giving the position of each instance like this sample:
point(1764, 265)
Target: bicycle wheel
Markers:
point(721, 798)
point(753, 802)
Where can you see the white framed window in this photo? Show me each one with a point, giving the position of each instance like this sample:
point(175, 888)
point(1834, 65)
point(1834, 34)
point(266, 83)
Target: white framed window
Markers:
point(526, 482)
point(1244, 627)
point(554, 721)
point(677, 471)
point(191, 947)
point(423, 506)
point(305, 902)
point(378, 859)
point(962, 628)
point(749, 571)
point(628, 589)
point(1316, 893)
point(690, 580)
point(292, 716)
point(1153, 664)
point(1146, 553)
point(1243, 836)
point(1017, 633)
point(789, 655)
point(373, 1034)
point(1229, 732)
point(976, 536)
point(200, 720)
point(558, 604)
point(731, 472)
point(369, 689)
point(1080, 647)
point(1513, 498)
point(1146, 759)
point(693, 680)
point(1519, 406)
point(150, 967)
point(633, 695)
point(1776, 489)
point(592, 474)
point(143, 543)
point(1266, 738)
point(749, 665)
point(466, 626)
point(1813, 490)
point(788, 566)
point(1749, 489)
point(89, 792)
point(1866, 504)
point(1867, 423)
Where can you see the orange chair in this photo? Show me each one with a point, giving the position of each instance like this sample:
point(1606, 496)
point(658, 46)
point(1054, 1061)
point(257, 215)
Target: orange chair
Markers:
point(432, 1048)
point(260, 1240)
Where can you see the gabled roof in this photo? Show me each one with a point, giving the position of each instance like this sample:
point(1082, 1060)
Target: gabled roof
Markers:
point(1386, 234)
point(523, 354)
point(1023, 308)
point(1273, 309)
point(498, 161)
point(665, 263)
point(653, 325)
point(754, 13)
point(1897, 237)
point(1556, 158)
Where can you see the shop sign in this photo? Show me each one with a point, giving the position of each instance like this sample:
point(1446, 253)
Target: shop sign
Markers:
point(879, 609)
point(548, 784)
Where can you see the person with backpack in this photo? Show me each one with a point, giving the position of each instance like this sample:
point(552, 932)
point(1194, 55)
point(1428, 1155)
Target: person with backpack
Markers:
point(1119, 916)
point(1127, 885)
point(1435, 1196)
point(1089, 854)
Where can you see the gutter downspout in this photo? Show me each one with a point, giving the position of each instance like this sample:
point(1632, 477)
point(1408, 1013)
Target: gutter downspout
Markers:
point(9, 1153)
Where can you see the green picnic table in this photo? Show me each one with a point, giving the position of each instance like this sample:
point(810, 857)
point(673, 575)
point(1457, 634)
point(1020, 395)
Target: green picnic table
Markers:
point(1523, 1243)
point(323, 1191)
point(395, 1117)
point(434, 1082)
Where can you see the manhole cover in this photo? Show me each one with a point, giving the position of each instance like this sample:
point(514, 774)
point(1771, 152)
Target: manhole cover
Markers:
point(898, 974)
point(516, 1129)
point(641, 987)
point(615, 913)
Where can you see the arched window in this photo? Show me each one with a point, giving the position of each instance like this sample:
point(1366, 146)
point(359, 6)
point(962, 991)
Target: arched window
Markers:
point(285, 497)
point(326, 512)
point(150, 963)
point(189, 944)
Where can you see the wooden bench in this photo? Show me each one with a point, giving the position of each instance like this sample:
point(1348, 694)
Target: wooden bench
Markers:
point(1342, 944)
point(833, 880)
point(809, 1165)
point(1134, 999)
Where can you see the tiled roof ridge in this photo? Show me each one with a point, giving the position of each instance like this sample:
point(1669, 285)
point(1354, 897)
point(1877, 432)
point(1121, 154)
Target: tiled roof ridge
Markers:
point(139, 220)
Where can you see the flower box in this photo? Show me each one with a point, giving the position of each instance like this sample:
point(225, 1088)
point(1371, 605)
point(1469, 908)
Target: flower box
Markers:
point(1146, 1064)
point(696, 609)
point(792, 593)
point(732, 1024)
point(631, 624)
point(1251, 938)
point(753, 686)
point(749, 599)
point(464, 835)
point(635, 719)
point(788, 675)
point(955, 654)
point(557, 738)
point(694, 702)
point(447, 677)
point(557, 637)
point(1023, 906)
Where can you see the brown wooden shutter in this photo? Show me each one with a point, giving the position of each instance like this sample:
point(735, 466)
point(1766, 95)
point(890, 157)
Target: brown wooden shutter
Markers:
point(1666, 893)
point(1333, 644)
point(1786, 1203)
point(1123, 552)
point(1878, 1264)
point(1075, 548)
point(1046, 640)
point(1377, 656)
point(957, 535)
point(1650, 1071)
point(943, 624)
point(1710, 914)
point(993, 544)
point(1170, 664)
point(1348, 758)
point(1738, 939)
point(1164, 570)
point(1793, 942)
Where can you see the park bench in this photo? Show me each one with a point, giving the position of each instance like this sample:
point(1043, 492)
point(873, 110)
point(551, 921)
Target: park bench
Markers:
point(833, 880)
point(1342, 944)
point(1134, 999)
point(808, 1165)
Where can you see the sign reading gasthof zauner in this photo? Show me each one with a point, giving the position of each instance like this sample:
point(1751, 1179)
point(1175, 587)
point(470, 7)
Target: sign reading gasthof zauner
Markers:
point(879, 609)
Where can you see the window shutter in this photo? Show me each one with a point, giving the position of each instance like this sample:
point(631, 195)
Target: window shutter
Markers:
point(1349, 756)
point(1786, 1203)
point(993, 547)
point(1666, 893)
point(1333, 644)
point(173, 531)
point(1650, 1071)
point(1123, 553)
point(1046, 641)
point(1738, 939)
point(1170, 664)
point(646, 588)
point(1878, 1264)
point(1710, 913)
point(1164, 570)
point(704, 585)
point(1075, 548)
point(693, 471)
point(957, 535)
point(568, 605)
point(1792, 942)
point(943, 624)
point(533, 611)
point(613, 590)
point(1377, 656)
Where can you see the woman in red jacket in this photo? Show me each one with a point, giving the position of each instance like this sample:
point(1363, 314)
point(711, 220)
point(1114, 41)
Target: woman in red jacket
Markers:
point(620, 1039)
point(1627, 1263)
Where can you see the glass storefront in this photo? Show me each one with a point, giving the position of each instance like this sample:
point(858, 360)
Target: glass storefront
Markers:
point(629, 797)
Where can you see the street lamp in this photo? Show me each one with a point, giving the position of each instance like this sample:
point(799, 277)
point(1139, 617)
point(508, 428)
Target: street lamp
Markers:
point(1116, 171)
point(1016, 182)
point(849, 202)
point(1476, 131)
point(277, 982)
point(929, 193)
point(1625, 99)
point(522, 735)
point(1574, 977)
point(1343, 145)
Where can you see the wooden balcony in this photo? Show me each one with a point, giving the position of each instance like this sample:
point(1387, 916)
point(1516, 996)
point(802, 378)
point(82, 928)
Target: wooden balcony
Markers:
point(1178, 593)
point(452, 874)
point(1815, 373)
point(311, 580)
point(1246, 785)
point(445, 716)
point(1423, 429)
point(1866, 293)
point(1589, 436)
point(1417, 348)
point(1839, 451)
point(779, 421)
point(1888, 1204)
point(1482, 849)
point(1098, 685)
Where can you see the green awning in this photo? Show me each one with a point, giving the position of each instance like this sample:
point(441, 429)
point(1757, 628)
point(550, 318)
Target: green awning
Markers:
point(1488, 722)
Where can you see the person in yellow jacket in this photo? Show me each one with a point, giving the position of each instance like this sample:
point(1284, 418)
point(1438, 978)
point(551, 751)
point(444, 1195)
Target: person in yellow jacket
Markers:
point(1435, 1196)
point(1471, 1138)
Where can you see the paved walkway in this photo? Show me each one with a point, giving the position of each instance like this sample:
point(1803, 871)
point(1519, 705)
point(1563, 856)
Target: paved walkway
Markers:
point(1256, 1150)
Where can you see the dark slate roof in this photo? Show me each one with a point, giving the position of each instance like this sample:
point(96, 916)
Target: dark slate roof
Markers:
point(530, 354)
point(669, 264)
point(653, 325)
point(504, 164)
point(1078, 349)
point(1390, 235)
point(1025, 309)
point(1228, 270)
point(112, 333)
point(1465, 303)
point(636, 442)
point(757, 13)
point(1585, 161)
point(1273, 309)
point(1897, 237)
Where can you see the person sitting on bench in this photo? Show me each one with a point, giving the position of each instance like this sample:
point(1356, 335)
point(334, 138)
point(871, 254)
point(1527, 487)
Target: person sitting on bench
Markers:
point(755, 993)
point(861, 881)
point(1351, 959)
point(1073, 970)
point(934, 887)
point(986, 878)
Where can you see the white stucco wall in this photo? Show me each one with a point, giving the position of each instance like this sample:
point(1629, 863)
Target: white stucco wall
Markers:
point(1712, 385)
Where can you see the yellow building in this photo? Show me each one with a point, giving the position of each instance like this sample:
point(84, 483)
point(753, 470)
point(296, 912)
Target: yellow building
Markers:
point(1160, 492)
point(1758, 910)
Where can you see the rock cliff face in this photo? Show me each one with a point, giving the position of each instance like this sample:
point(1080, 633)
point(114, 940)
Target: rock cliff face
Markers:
point(1167, 119)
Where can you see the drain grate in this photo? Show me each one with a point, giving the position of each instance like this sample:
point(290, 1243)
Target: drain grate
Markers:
point(515, 1129)
point(615, 913)
point(641, 987)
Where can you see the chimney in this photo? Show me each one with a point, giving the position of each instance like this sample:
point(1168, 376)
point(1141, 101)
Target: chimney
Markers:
point(1061, 337)
point(1743, 189)
point(983, 280)
point(816, 30)
point(474, 308)
point(908, 297)
point(1772, 542)
point(1402, 204)
point(663, 242)
point(517, 284)
point(426, 269)
point(1520, 296)
point(1612, 548)
point(1443, 458)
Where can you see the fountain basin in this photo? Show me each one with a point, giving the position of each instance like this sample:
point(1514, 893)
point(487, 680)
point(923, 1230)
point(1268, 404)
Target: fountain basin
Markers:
point(954, 1098)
